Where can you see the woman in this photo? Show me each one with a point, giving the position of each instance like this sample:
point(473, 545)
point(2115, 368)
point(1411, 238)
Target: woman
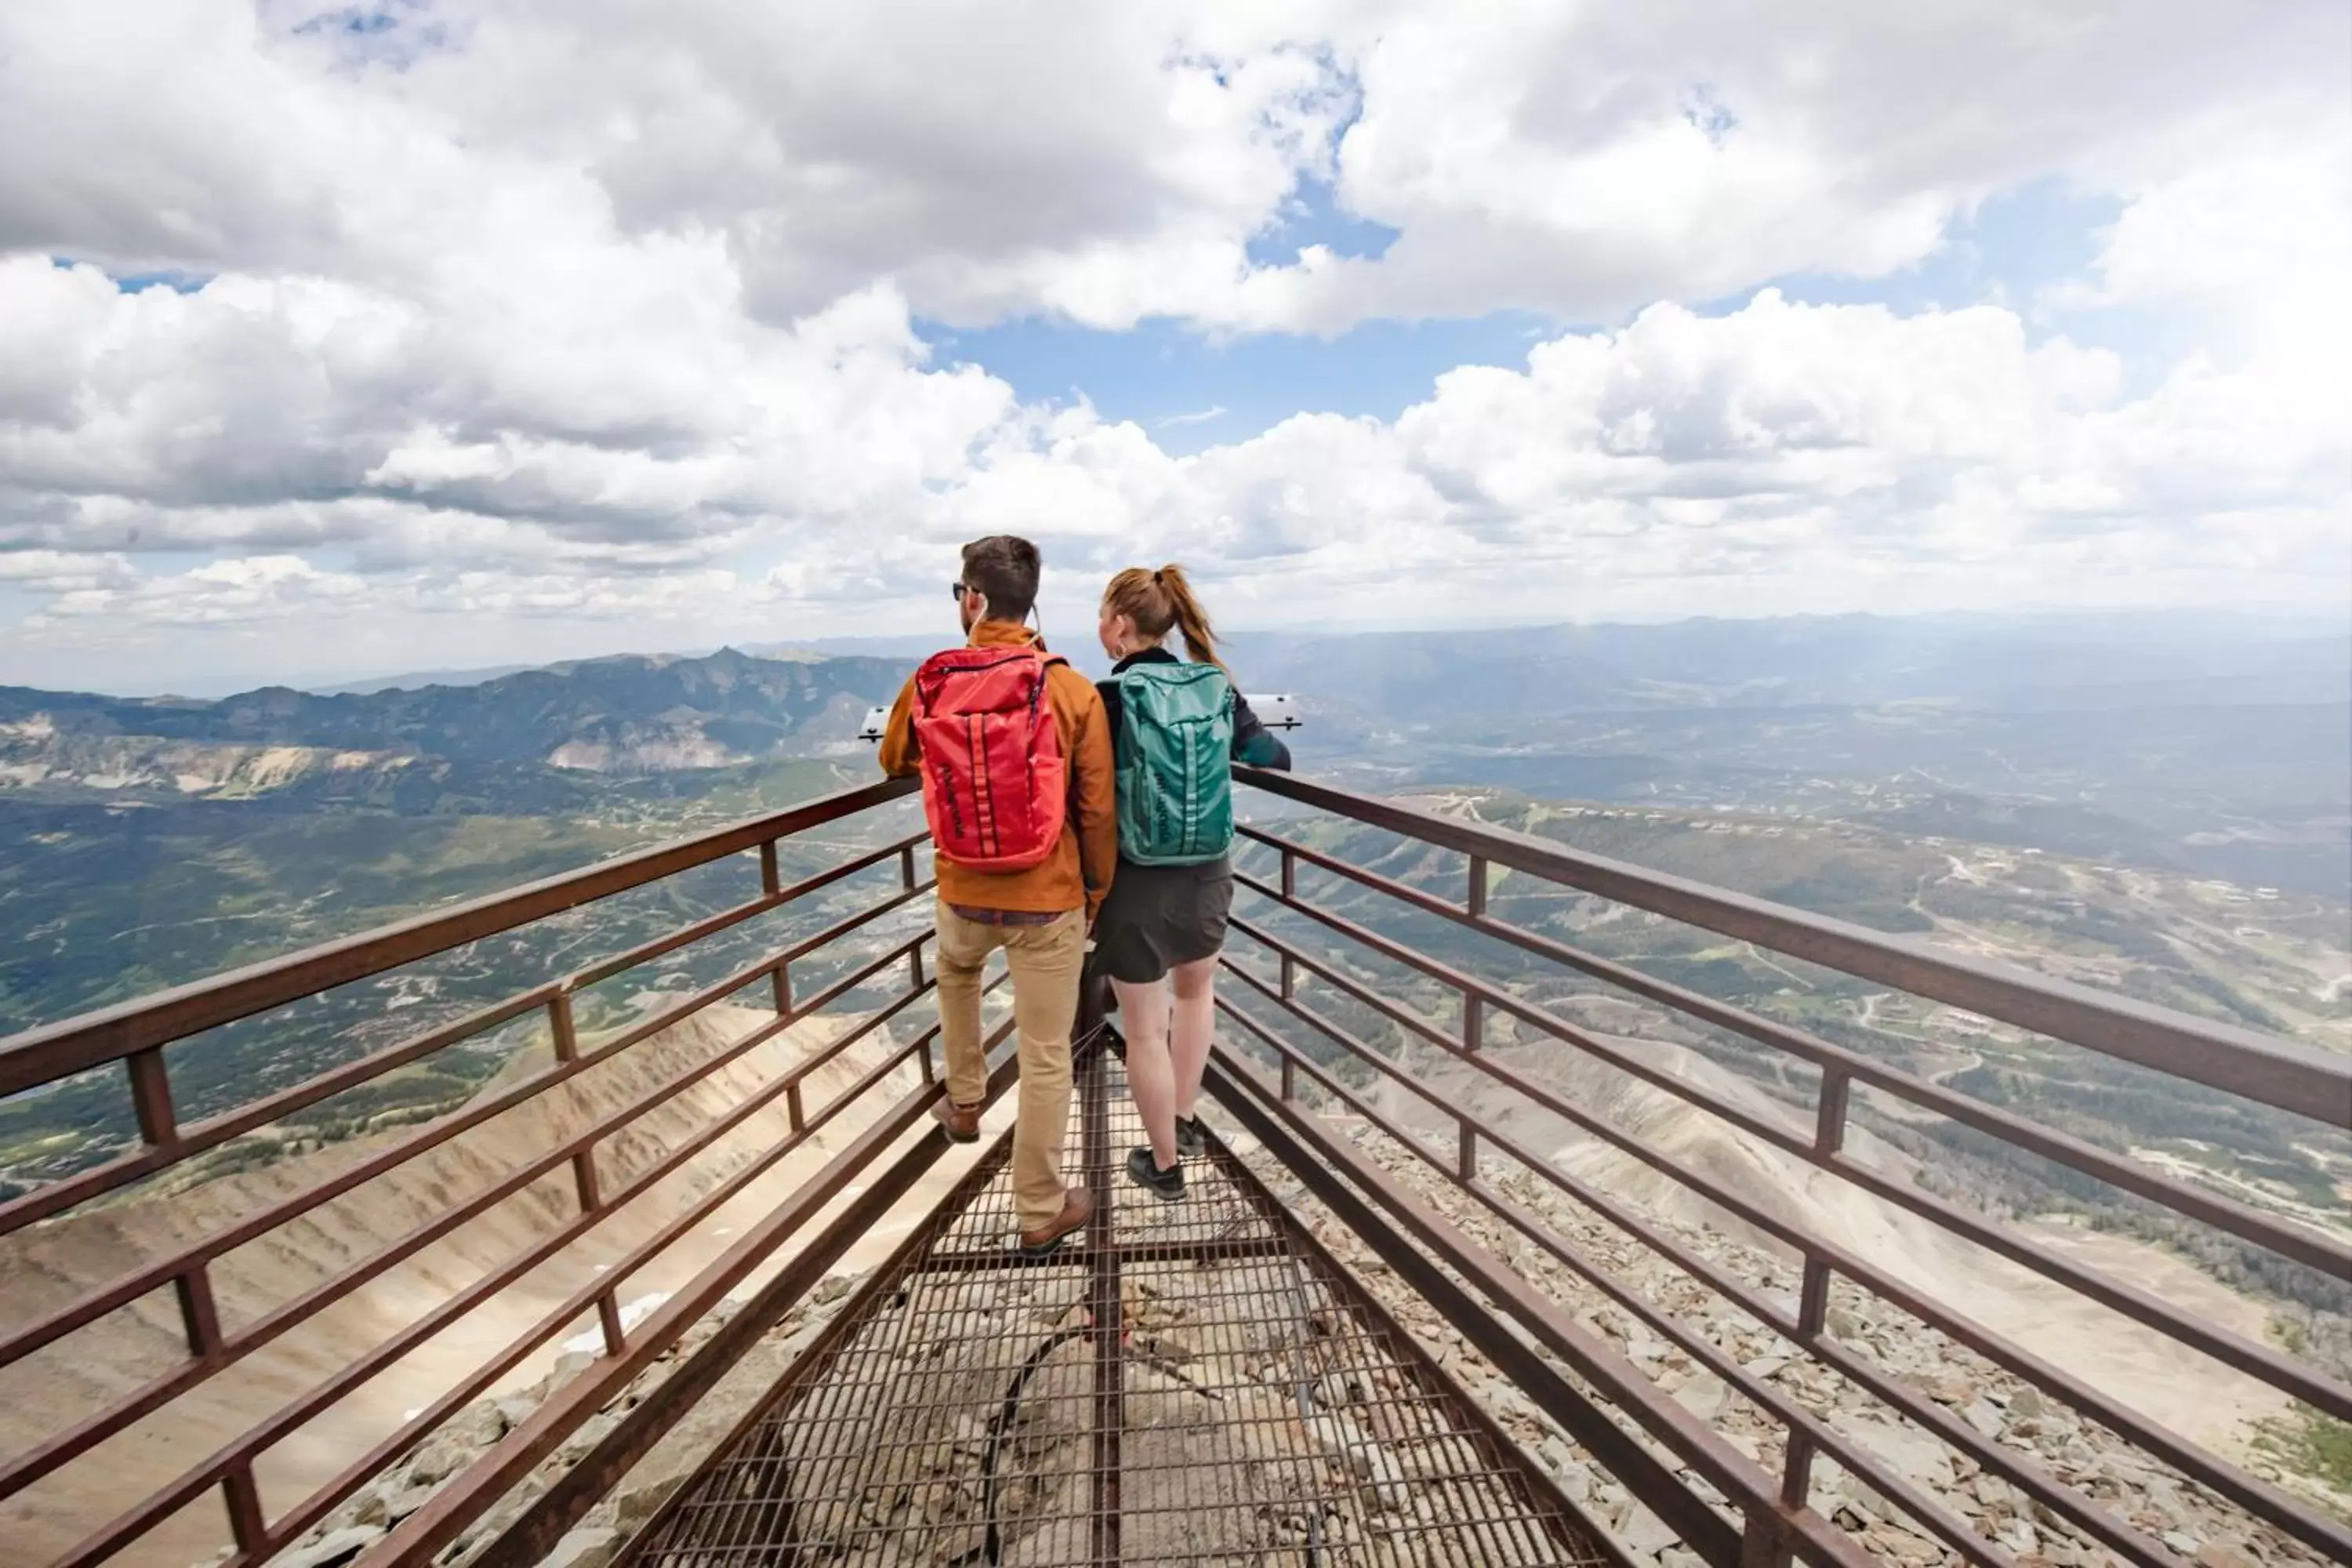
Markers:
point(1164, 921)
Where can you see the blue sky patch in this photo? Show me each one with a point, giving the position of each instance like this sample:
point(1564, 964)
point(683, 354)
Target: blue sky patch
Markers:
point(1193, 391)
point(1313, 217)
point(2012, 250)
point(2026, 250)
point(177, 281)
point(394, 33)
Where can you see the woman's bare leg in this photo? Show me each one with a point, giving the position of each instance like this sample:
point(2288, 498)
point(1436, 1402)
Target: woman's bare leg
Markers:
point(1149, 1075)
point(1191, 1029)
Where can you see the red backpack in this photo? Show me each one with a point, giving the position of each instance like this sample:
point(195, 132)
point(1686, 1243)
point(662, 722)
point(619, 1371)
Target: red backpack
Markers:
point(994, 780)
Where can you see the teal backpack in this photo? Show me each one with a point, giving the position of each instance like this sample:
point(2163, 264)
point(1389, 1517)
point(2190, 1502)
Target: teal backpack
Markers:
point(1175, 763)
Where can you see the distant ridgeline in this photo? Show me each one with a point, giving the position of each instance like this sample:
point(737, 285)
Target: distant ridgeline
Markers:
point(501, 738)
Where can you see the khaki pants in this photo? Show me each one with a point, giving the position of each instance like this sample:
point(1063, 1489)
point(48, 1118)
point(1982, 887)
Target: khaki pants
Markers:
point(1046, 962)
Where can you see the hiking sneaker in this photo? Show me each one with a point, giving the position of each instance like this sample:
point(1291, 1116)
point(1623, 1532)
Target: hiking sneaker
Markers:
point(1167, 1185)
point(1192, 1138)
point(1077, 1207)
point(962, 1122)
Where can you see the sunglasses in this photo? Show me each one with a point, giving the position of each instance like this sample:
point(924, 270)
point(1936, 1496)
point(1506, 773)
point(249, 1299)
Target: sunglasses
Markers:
point(956, 591)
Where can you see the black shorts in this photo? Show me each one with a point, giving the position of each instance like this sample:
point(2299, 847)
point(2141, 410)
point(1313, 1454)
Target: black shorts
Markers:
point(1160, 916)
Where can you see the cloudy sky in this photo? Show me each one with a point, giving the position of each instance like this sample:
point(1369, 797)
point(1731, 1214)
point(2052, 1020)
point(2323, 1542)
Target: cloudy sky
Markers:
point(445, 332)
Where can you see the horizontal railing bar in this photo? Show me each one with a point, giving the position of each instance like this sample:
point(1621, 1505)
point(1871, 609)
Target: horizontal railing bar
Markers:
point(514, 1547)
point(1567, 1111)
point(2302, 1243)
point(645, 1028)
point(323, 1501)
point(414, 1542)
point(2284, 1074)
point(2190, 1458)
point(1559, 1105)
point(525, 1541)
point(51, 1051)
point(1931, 1516)
point(2199, 1464)
point(162, 1504)
point(107, 1299)
point(1779, 1321)
point(686, 935)
point(200, 1137)
point(2231, 1349)
point(1403, 1018)
point(565, 1502)
point(2121, 1536)
point(25, 1469)
point(1260, 1107)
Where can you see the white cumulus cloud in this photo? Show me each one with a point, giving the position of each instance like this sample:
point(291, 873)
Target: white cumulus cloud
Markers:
point(527, 329)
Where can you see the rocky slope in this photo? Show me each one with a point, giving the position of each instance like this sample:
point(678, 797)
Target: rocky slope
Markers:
point(2198, 1397)
point(2201, 1527)
point(2193, 1521)
point(626, 715)
point(35, 750)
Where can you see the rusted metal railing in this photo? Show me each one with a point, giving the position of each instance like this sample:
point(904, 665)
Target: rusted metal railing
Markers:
point(2277, 1073)
point(136, 1036)
point(1293, 943)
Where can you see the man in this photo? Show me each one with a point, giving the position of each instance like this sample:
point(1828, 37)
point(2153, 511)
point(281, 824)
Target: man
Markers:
point(1035, 901)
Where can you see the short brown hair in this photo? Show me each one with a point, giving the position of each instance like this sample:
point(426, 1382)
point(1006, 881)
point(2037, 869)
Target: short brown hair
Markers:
point(1003, 569)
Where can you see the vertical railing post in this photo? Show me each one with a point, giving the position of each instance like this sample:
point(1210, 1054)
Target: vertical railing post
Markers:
point(907, 867)
point(915, 981)
point(561, 1032)
point(1813, 1313)
point(151, 1098)
point(1289, 967)
point(1475, 904)
point(1289, 1077)
point(159, 1127)
point(780, 980)
point(565, 1035)
point(1473, 1020)
point(1763, 1543)
point(1465, 1159)
point(1829, 1121)
point(770, 879)
point(1812, 1305)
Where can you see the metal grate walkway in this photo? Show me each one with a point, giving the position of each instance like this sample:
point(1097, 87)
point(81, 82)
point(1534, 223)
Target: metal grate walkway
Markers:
point(1247, 1403)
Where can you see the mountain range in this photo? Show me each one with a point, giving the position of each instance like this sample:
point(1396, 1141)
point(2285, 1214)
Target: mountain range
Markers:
point(626, 717)
point(2209, 741)
point(2017, 664)
point(2024, 662)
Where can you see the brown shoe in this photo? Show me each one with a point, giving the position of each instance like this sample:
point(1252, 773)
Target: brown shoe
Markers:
point(1077, 1207)
point(962, 1122)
